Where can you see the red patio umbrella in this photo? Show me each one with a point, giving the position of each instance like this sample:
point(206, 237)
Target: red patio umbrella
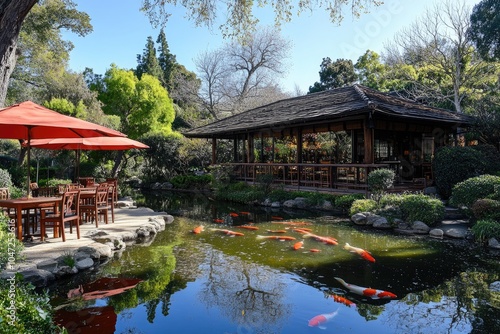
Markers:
point(92, 143)
point(28, 120)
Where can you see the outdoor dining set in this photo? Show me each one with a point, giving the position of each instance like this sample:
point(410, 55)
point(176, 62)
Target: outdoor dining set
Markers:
point(68, 205)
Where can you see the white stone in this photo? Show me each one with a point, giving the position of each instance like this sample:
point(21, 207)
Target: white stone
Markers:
point(84, 264)
point(436, 233)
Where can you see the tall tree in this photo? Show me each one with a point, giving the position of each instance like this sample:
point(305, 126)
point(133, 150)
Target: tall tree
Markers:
point(143, 105)
point(339, 73)
point(439, 48)
point(241, 71)
point(147, 63)
point(485, 28)
point(240, 20)
point(166, 60)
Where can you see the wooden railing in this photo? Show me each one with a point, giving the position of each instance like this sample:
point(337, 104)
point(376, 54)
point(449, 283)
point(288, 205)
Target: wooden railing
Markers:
point(349, 177)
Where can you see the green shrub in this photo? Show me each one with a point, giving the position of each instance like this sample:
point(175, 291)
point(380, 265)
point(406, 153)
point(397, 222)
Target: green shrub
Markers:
point(486, 208)
point(56, 182)
point(391, 200)
point(483, 230)
point(423, 208)
point(33, 310)
point(5, 179)
point(280, 195)
point(381, 179)
point(452, 165)
point(344, 202)
point(363, 205)
point(465, 193)
point(390, 212)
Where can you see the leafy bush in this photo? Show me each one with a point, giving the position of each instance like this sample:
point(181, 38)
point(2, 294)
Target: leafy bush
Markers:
point(391, 200)
point(5, 179)
point(265, 182)
point(452, 165)
point(33, 310)
point(191, 181)
point(486, 209)
point(381, 179)
point(56, 182)
point(467, 192)
point(423, 208)
point(363, 205)
point(390, 212)
point(484, 230)
point(344, 202)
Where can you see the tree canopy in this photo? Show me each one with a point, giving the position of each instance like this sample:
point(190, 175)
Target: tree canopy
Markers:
point(339, 73)
point(485, 28)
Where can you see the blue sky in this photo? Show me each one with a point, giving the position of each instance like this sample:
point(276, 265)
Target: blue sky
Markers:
point(121, 30)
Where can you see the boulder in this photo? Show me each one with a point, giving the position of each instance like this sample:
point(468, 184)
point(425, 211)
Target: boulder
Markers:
point(84, 264)
point(378, 222)
point(90, 251)
point(300, 202)
point(495, 286)
point(276, 204)
point(436, 233)
point(38, 277)
point(96, 233)
point(49, 265)
point(289, 203)
point(456, 233)
point(493, 243)
point(65, 270)
point(327, 206)
point(420, 227)
point(360, 218)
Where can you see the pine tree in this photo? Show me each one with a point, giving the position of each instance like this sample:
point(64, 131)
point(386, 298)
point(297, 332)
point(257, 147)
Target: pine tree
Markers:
point(167, 62)
point(147, 63)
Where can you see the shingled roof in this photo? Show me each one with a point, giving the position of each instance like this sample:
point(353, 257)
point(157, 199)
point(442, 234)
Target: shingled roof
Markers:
point(328, 105)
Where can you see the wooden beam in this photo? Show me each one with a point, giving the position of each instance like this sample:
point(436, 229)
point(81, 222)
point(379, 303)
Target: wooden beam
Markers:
point(214, 151)
point(298, 158)
point(369, 142)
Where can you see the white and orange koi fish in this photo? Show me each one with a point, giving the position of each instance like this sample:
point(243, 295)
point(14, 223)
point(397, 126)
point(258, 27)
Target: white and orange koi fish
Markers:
point(321, 319)
point(361, 252)
point(228, 232)
point(275, 237)
point(325, 240)
point(367, 292)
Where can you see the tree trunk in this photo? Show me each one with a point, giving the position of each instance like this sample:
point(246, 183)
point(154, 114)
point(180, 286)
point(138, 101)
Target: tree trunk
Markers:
point(118, 162)
point(12, 15)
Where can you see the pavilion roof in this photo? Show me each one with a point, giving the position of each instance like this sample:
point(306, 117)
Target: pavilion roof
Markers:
point(325, 106)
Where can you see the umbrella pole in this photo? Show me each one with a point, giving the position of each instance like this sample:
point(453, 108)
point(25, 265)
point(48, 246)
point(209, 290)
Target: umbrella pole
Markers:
point(29, 161)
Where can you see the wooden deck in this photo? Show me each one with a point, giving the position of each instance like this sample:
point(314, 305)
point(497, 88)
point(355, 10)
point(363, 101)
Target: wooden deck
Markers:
point(334, 178)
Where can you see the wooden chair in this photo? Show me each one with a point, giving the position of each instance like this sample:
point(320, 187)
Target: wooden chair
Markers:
point(114, 182)
point(95, 205)
point(68, 213)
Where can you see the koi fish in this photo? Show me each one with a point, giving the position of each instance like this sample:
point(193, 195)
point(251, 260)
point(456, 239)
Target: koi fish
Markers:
point(303, 230)
point(248, 227)
point(361, 252)
point(246, 213)
point(322, 319)
point(276, 218)
point(275, 231)
point(315, 250)
point(228, 232)
point(198, 229)
point(342, 300)
point(298, 245)
point(218, 220)
point(275, 237)
point(233, 214)
point(367, 292)
point(325, 240)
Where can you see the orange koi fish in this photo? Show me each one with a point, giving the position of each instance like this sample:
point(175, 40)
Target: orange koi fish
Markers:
point(218, 220)
point(275, 231)
point(275, 237)
point(276, 218)
point(342, 300)
point(315, 250)
point(322, 319)
point(228, 232)
point(361, 252)
point(325, 240)
point(233, 214)
point(246, 213)
point(298, 245)
point(303, 230)
point(198, 229)
point(367, 292)
point(248, 227)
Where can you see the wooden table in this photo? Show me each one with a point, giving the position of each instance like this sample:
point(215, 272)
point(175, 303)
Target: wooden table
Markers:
point(21, 204)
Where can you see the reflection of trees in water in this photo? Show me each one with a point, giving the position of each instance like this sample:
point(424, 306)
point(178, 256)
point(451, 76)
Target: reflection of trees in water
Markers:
point(247, 293)
point(463, 304)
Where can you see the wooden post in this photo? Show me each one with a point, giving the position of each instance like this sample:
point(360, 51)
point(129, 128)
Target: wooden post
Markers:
point(298, 158)
point(214, 151)
point(235, 150)
point(369, 142)
point(250, 148)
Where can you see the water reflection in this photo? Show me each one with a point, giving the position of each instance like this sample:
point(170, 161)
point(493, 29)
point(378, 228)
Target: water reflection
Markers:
point(213, 283)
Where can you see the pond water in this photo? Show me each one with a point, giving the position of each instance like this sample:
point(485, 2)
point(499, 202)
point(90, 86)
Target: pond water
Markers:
point(214, 283)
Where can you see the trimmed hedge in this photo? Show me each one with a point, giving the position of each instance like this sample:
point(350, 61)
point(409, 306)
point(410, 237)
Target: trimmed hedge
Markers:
point(465, 193)
point(363, 205)
point(486, 208)
point(423, 208)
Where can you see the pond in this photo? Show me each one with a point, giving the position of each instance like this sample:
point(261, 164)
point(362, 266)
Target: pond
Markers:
point(212, 282)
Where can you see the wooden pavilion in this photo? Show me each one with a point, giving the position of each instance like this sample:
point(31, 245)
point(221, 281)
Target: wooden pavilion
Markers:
point(333, 139)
